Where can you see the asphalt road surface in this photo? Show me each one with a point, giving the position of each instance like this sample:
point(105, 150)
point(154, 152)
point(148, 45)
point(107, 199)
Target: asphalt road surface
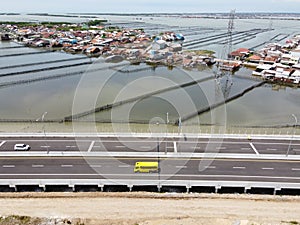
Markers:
point(253, 168)
point(167, 145)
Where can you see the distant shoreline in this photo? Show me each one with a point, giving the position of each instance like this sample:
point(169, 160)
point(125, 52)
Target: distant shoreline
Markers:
point(209, 15)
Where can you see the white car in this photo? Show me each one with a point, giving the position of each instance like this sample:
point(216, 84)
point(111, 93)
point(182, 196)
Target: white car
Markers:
point(21, 147)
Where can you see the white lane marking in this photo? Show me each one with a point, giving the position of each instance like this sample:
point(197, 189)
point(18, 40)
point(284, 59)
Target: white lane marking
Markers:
point(147, 141)
point(181, 167)
point(195, 147)
point(71, 146)
point(245, 148)
point(296, 169)
point(97, 146)
point(124, 166)
point(37, 166)
point(120, 146)
point(220, 148)
point(146, 147)
point(8, 166)
point(266, 168)
point(154, 175)
point(239, 167)
point(45, 146)
point(96, 166)
point(175, 146)
point(279, 143)
point(169, 147)
point(66, 165)
point(254, 149)
point(271, 149)
point(210, 167)
point(91, 146)
point(2, 143)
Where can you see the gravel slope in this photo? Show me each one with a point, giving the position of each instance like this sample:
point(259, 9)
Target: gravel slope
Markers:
point(150, 208)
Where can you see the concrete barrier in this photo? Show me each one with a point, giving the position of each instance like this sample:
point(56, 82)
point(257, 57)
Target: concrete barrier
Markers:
point(54, 185)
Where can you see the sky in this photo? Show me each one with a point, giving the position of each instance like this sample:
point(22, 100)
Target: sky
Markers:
point(143, 6)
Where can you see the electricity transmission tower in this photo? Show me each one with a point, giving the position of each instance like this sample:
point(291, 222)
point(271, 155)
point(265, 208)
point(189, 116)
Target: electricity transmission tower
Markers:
point(221, 75)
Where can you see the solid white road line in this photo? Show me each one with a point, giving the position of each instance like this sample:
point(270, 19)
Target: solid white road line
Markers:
point(91, 146)
point(37, 166)
point(8, 166)
point(154, 175)
point(66, 165)
point(254, 149)
point(175, 146)
point(267, 168)
point(239, 167)
point(2, 143)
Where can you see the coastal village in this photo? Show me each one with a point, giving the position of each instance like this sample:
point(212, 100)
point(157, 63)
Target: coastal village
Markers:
point(273, 62)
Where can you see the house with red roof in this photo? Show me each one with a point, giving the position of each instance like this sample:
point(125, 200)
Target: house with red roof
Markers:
point(240, 54)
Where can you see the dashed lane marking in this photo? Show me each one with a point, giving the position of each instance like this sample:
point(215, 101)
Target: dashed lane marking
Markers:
point(96, 166)
point(66, 165)
point(8, 166)
point(210, 167)
point(267, 168)
point(124, 166)
point(271, 149)
point(181, 167)
point(37, 166)
point(195, 147)
point(239, 167)
point(296, 169)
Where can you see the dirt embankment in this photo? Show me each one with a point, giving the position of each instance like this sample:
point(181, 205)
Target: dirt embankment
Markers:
point(146, 209)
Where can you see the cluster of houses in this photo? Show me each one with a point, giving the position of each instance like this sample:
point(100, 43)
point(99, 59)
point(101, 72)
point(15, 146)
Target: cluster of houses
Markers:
point(131, 44)
point(274, 62)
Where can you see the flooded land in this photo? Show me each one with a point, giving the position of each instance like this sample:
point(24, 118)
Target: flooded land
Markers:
point(38, 80)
